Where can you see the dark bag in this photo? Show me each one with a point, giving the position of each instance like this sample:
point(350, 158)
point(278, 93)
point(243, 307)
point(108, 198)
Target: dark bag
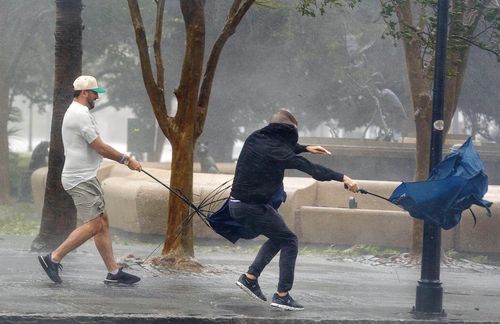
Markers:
point(224, 225)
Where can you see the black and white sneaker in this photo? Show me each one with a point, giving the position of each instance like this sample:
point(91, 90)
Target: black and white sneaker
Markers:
point(51, 268)
point(251, 287)
point(286, 303)
point(121, 278)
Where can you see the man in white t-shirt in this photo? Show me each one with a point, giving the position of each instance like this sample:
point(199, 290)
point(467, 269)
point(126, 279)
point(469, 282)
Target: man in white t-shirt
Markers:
point(84, 150)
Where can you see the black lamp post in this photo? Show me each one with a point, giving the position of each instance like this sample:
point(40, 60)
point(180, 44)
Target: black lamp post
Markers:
point(429, 297)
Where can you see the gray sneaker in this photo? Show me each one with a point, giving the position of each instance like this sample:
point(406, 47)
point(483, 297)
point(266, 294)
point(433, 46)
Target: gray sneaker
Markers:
point(50, 267)
point(286, 302)
point(121, 277)
point(251, 287)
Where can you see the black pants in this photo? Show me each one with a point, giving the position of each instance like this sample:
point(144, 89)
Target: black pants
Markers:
point(264, 219)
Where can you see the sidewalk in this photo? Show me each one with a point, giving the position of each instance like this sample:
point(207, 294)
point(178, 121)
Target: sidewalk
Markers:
point(332, 291)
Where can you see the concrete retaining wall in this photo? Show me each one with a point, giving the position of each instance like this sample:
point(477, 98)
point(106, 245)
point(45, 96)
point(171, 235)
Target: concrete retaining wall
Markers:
point(317, 211)
point(345, 226)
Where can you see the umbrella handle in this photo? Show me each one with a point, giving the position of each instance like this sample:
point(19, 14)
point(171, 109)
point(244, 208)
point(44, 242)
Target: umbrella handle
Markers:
point(360, 190)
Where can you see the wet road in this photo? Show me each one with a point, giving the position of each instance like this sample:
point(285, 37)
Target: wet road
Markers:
point(332, 291)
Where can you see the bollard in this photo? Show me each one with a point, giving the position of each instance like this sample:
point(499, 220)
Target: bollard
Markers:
point(353, 203)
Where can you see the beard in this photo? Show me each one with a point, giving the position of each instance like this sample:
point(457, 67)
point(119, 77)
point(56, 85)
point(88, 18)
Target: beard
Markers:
point(90, 103)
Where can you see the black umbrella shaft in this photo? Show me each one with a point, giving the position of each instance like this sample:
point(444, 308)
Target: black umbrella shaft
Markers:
point(364, 191)
point(189, 203)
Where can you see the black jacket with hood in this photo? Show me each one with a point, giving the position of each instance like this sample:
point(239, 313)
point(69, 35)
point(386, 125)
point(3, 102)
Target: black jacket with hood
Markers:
point(264, 157)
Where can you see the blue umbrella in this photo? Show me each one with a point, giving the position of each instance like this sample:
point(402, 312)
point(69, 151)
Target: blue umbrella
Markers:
point(455, 184)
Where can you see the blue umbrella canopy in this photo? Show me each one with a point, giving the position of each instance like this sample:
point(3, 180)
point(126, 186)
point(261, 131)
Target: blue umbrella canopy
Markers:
point(455, 184)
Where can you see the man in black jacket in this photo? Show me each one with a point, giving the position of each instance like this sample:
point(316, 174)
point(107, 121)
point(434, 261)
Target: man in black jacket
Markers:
point(258, 178)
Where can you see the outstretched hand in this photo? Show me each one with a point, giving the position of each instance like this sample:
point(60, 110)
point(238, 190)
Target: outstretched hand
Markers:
point(350, 185)
point(316, 149)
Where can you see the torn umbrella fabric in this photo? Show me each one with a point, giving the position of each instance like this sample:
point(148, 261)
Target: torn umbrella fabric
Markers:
point(455, 184)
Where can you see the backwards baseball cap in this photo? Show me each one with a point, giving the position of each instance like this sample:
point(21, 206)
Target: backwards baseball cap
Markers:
point(87, 82)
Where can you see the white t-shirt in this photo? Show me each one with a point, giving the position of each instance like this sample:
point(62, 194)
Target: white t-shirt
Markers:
point(79, 129)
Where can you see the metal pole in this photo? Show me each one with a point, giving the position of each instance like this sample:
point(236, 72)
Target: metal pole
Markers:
point(429, 297)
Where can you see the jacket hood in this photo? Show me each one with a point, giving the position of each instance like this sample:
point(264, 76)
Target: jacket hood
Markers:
point(284, 132)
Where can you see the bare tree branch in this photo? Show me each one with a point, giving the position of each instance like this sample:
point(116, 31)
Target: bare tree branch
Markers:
point(155, 94)
point(234, 18)
point(157, 44)
point(478, 45)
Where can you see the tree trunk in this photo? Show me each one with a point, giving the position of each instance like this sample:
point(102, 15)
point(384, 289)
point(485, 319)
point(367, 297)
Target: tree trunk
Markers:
point(423, 119)
point(59, 214)
point(420, 81)
point(184, 140)
point(4, 146)
point(422, 104)
point(179, 235)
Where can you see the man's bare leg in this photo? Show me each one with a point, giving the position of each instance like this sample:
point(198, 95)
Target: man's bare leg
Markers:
point(79, 236)
point(104, 245)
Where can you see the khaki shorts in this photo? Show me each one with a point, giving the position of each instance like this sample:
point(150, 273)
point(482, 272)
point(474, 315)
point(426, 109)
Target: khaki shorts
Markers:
point(89, 200)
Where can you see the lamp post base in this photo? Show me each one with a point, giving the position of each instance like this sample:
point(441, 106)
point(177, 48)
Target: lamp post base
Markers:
point(429, 300)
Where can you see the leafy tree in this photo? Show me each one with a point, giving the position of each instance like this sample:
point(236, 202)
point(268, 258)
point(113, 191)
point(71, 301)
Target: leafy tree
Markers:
point(20, 23)
point(193, 94)
point(59, 214)
point(471, 23)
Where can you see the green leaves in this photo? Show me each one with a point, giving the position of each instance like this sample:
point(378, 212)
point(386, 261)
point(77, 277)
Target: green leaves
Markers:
point(310, 7)
point(465, 30)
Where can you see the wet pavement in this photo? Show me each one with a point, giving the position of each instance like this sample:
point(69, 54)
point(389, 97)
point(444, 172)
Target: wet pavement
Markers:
point(331, 290)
